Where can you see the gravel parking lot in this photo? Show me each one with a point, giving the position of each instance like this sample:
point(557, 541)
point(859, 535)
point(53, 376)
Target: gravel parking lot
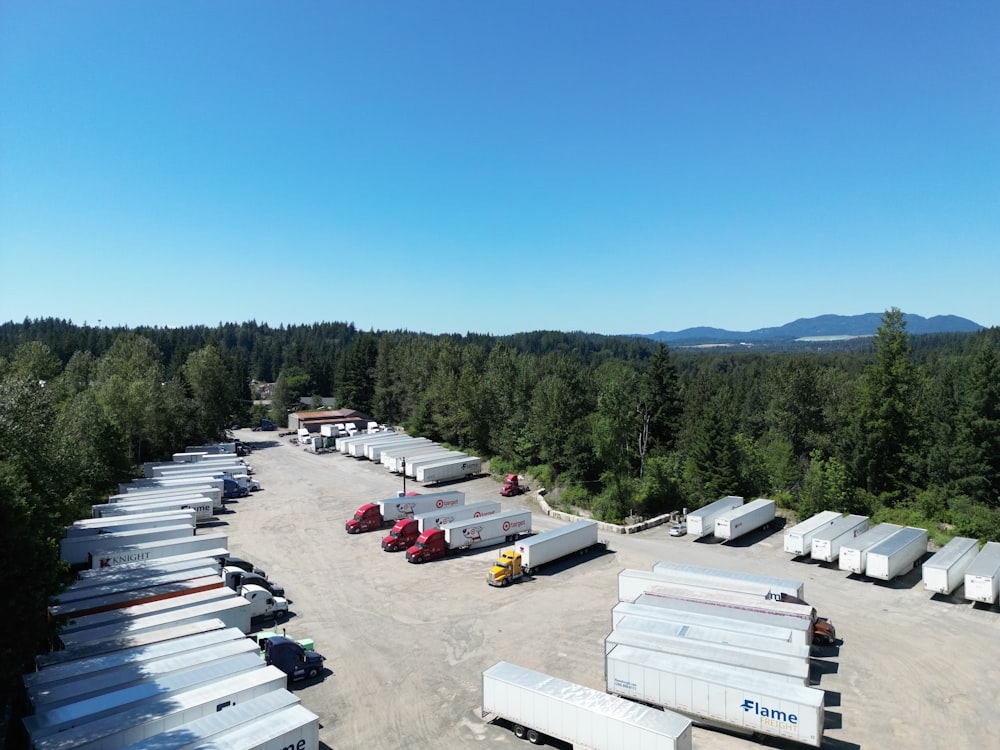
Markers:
point(406, 644)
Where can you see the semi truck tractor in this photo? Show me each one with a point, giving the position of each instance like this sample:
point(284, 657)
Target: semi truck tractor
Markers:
point(296, 661)
point(512, 486)
point(945, 571)
point(701, 522)
point(405, 531)
point(537, 707)
point(237, 577)
point(264, 604)
point(372, 516)
point(532, 553)
point(470, 534)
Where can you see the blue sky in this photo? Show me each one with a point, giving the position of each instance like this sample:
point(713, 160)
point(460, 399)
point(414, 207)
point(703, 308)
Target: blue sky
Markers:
point(498, 167)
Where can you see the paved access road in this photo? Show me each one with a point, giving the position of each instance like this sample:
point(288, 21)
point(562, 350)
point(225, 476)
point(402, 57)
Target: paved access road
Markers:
point(406, 644)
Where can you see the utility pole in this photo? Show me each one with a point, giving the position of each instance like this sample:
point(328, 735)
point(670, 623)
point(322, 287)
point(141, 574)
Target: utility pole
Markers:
point(403, 462)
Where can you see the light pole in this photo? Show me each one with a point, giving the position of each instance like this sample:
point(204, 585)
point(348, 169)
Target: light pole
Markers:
point(403, 462)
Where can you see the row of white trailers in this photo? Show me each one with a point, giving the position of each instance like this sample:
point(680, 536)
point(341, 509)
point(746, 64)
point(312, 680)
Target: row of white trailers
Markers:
point(687, 645)
point(422, 459)
point(888, 550)
point(154, 651)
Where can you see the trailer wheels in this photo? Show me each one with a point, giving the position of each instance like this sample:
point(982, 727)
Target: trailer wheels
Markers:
point(534, 737)
point(520, 732)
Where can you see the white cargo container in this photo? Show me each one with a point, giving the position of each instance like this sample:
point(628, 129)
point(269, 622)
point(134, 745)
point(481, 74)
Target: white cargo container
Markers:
point(411, 506)
point(144, 485)
point(153, 550)
point(87, 686)
point(767, 664)
point(549, 546)
point(728, 580)
point(800, 631)
point(203, 507)
point(449, 469)
point(79, 550)
point(826, 542)
point(633, 584)
point(217, 727)
point(435, 519)
point(110, 645)
point(234, 611)
point(982, 579)
point(137, 591)
point(148, 718)
point(47, 722)
point(168, 493)
point(141, 567)
point(945, 571)
point(373, 451)
point(124, 614)
point(718, 695)
point(92, 526)
point(538, 706)
point(204, 468)
point(854, 554)
point(393, 458)
point(731, 626)
point(701, 522)
point(896, 555)
point(344, 444)
point(689, 630)
point(798, 539)
point(414, 463)
point(483, 532)
point(59, 674)
point(115, 580)
point(740, 521)
point(292, 728)
point(358, 449)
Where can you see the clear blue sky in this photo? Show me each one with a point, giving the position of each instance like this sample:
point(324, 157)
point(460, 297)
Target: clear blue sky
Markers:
point(495, 167)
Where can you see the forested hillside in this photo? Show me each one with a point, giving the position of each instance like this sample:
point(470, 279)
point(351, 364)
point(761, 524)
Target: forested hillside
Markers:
point(904, 428)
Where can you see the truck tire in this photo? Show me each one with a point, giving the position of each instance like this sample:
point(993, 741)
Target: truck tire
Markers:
point(312, 673)
point(520, 732)
point(534, 737)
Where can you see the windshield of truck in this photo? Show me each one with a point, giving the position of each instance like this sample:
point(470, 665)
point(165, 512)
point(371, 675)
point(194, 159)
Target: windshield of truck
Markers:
point(358, 516)
point(394, 533)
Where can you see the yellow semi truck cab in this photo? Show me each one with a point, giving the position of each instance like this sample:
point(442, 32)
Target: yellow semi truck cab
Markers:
point(506, 569)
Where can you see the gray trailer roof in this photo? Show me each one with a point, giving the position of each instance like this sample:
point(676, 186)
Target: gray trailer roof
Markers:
point(897, 541)
point(952, 552)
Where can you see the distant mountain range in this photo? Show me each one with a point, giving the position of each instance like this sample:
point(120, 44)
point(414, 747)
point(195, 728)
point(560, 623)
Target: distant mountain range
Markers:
point(824, 327)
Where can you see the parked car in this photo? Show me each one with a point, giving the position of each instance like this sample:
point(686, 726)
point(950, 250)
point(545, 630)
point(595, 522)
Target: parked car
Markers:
point(678, 529)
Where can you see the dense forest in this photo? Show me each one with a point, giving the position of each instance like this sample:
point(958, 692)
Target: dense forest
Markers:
point(898, 427)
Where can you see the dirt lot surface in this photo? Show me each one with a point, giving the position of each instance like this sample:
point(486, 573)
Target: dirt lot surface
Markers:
point(406, 644)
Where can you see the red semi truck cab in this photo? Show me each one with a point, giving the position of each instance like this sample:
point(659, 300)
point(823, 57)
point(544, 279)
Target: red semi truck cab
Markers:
point(366, 518)
point(511, 487)
point(429, 546)
point(402, 536)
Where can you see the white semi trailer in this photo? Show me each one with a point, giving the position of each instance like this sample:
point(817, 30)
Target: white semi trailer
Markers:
point(152, 550)
point(798, 539)
point(537, 706)
point(701, 522)
point(740, 521)
point(732, 627)
point(449, 469)
point(203, 507)
point(854, 554)
point(146, 719)
point(412, 464)
point(92, 526)
point(717, 695)
point(394, 458)
point(896, 555)
point(128, 641)
point(728, 580)
point(827, 541)
point(60, 674)
point(435, 519)
point(945, 571)
point(79, 550)
point(794, 669)
point(982, 579)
